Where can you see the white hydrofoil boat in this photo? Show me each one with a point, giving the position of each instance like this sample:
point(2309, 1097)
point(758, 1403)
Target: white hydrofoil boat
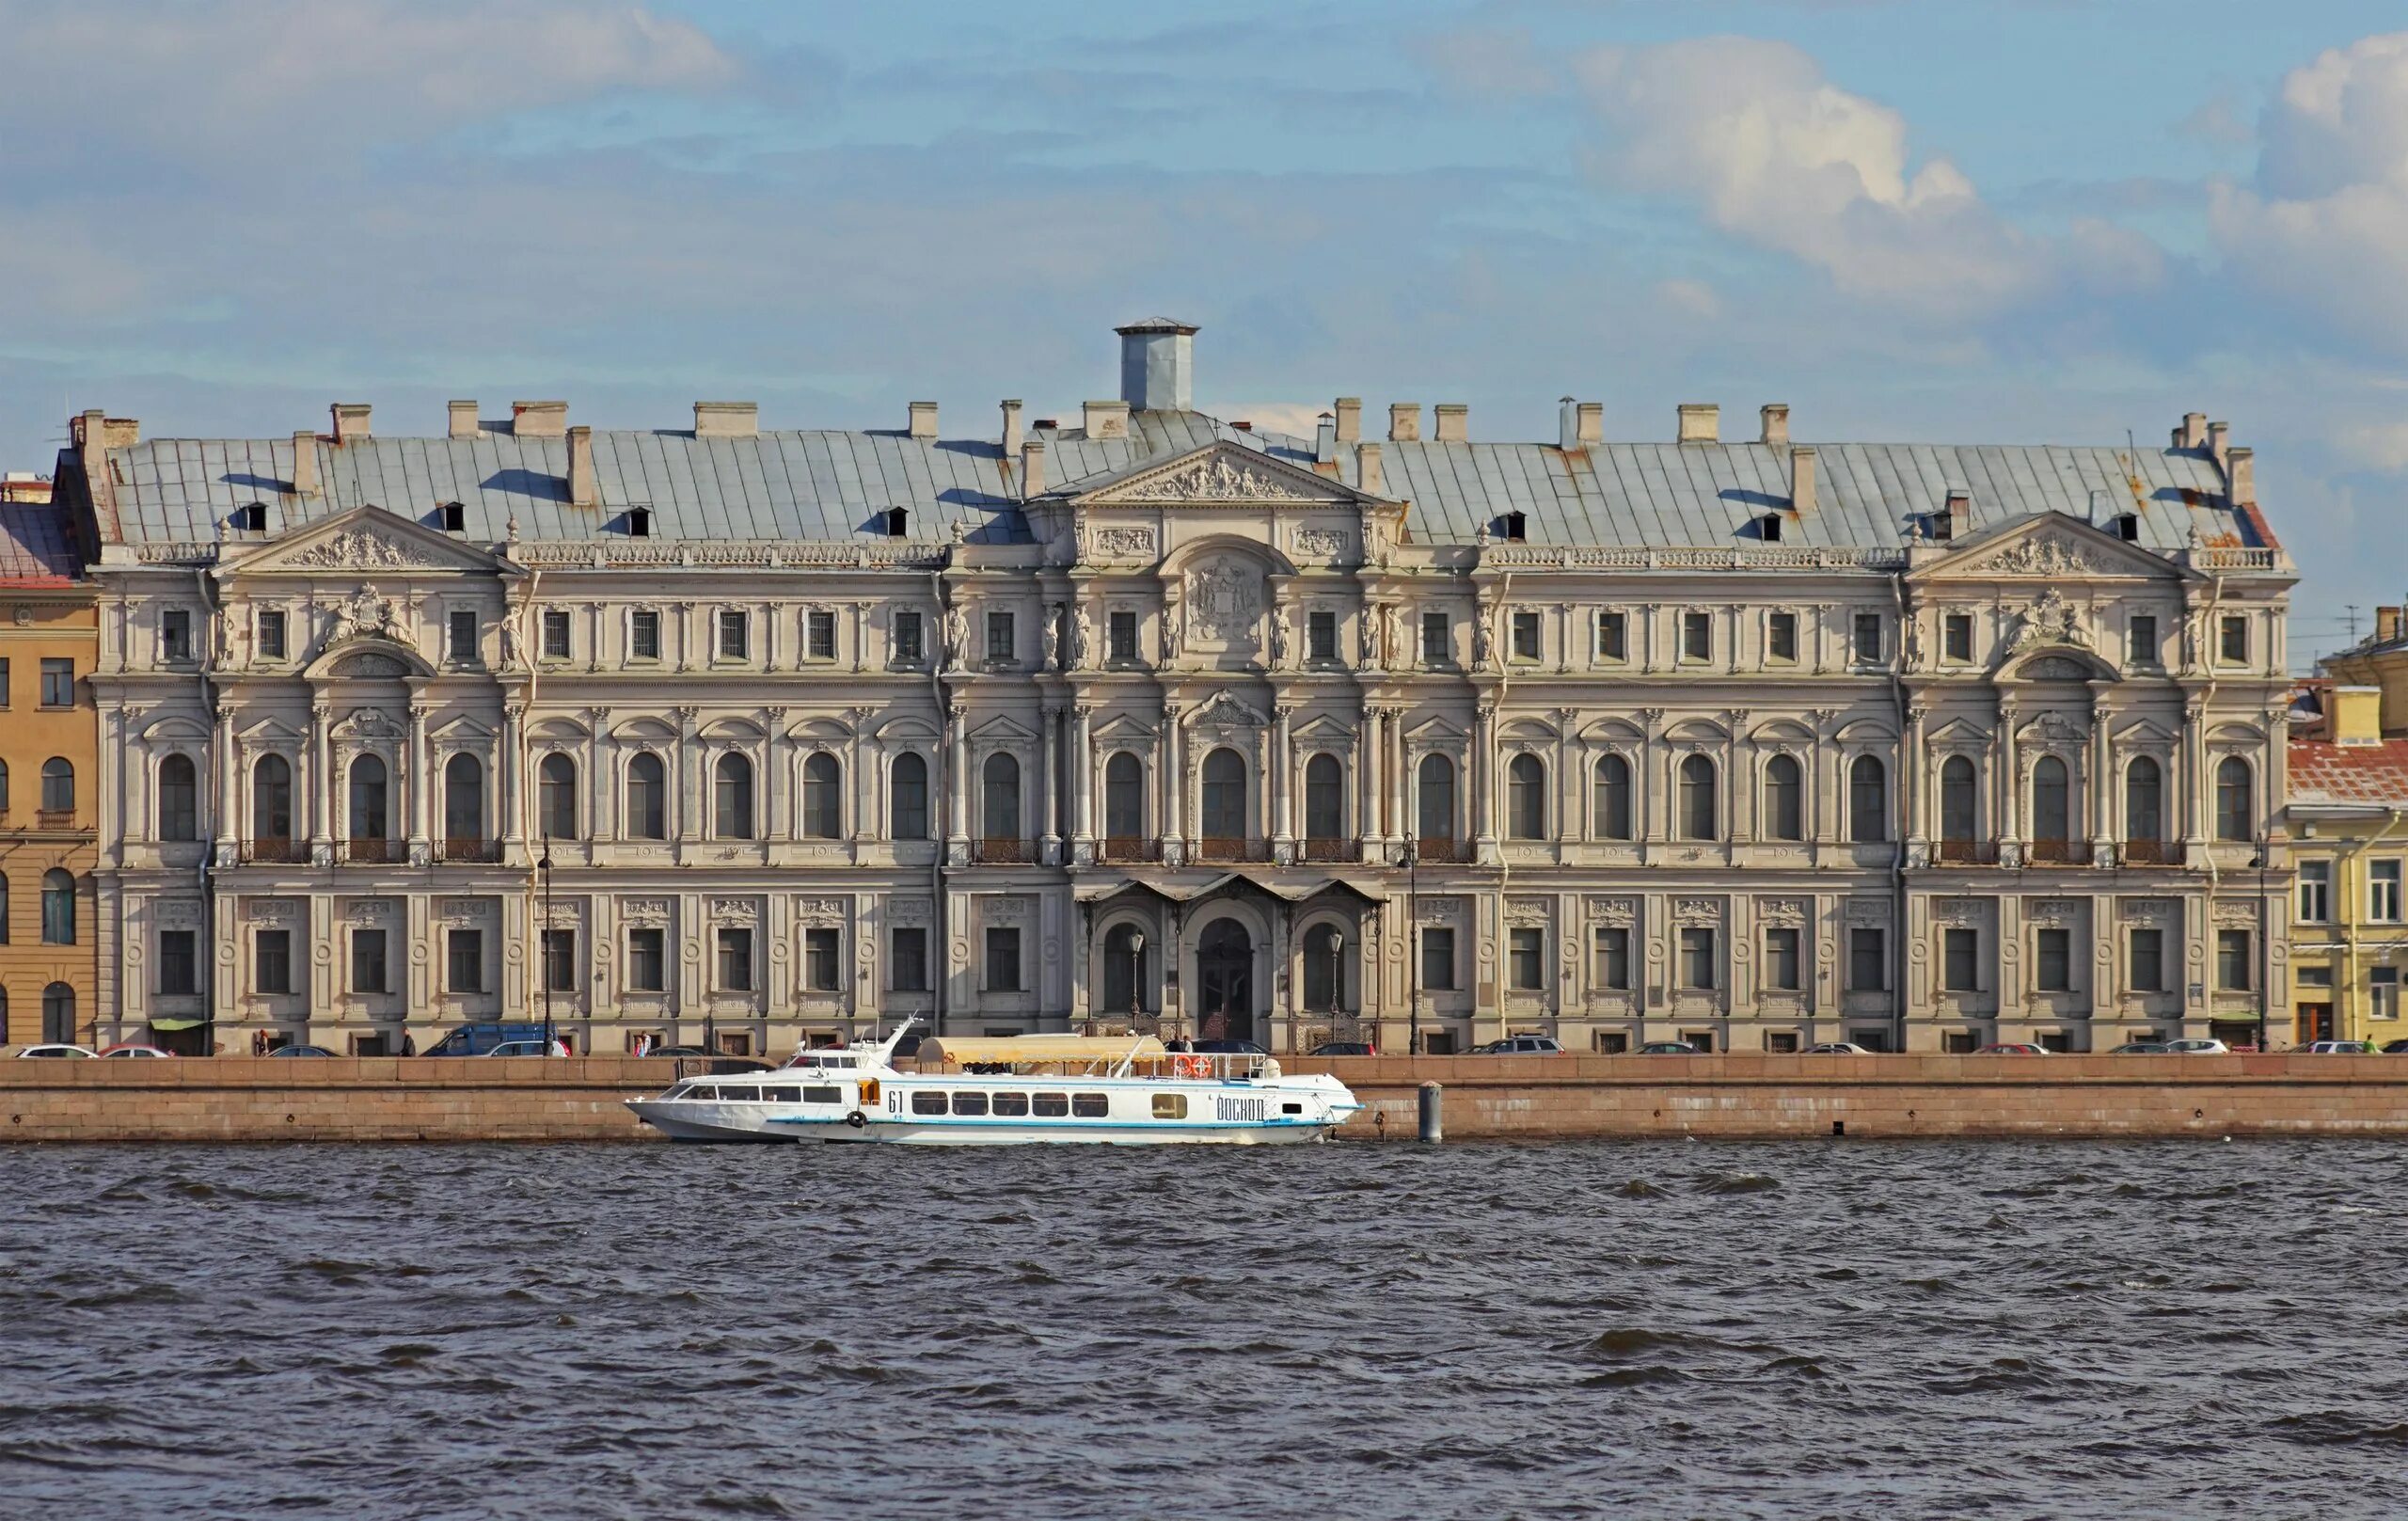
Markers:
point(1126, 1089)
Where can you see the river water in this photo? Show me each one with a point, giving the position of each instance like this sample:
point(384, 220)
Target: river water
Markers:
point(1642, 1329)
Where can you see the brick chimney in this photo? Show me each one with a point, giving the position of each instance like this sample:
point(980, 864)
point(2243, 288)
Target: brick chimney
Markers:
point(1032, 469)
point(1350, 420)
point(924, 421)
point(2355, 717)
point(1011, 428)
point(1701, 423)
point(539, 420)
point(1453, 422)
point(581, 492)
point(2241, 474)
point(2386, 624)
point(351, 421)
point(1801, 479)
point(2192, 433)
point(1367, 477)
point(1106, 420)
point(727, 419)
point(2219, 439)
point(1404, 421)
point(1776, 425)
point(463, 418)
point(305, 464)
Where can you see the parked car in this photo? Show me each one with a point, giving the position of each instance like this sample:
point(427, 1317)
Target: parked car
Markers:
point(129, 1047)
point(2140, 1048)
point(2012, 1048)
point(1837, 1048)
point(2340, 1048)
point(1231, 1048)
point(300, 1051)
point(54, 1048)
point(2394, 1048)
point(2198, 1047)
point(1522, 1045)
point(530, 1047)
point(1344, 1048)
point(1670, 1048)
point(476, 1039)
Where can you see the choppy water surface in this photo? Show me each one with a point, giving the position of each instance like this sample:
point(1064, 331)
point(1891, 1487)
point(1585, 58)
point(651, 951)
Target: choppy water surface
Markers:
point(1648, 1329)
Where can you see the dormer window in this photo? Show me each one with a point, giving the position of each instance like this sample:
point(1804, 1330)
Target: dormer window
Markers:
point(638, 522)
point(899, 522)
point(453, 517)
point(1769, 528)
point(251, 518)
point(2128, 528)
point(1943, 528)
point(1512, 527)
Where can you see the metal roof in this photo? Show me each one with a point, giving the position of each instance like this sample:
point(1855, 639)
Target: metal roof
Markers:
point(38, 545)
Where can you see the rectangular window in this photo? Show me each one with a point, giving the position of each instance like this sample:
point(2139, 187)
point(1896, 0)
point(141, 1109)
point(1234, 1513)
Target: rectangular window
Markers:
point(465, 959)
point(735, 634)
point(1438, 960)
point(1320, 635)
point(1957, 637)
point(176, 965)
point(2232, 959)
point(1611, 970)
point(175, 634)
point(1003, 959)
point(647, 966)
point(1868, 962)
point(821, 959)
point(735, 959)
point(1784, 970)
point(272, 960)
point(271, 634)
point(4, 683)
point(1526, 959)
point(57, 683)
point(1961, 961)
point(2052, 960)
point(999, 637)
point(1780, 638)
point(1697, 637)
point(1525, 636)
point(2382, 992)
point(555, 633)
point(2149, 961)
point(2232, 638)
point(2383, 892)
point(908, 960)
point(643, 635)
point(1438, 644)
point(1613, 636)
point(819, 634)
point(1867, 643)
point(2313, 976)
point(462, 650)
point(367, 961)
point(1697, 957)
point(1123, 633)
point(2314, 892)
point(2144, 639)
point(907, 636)
point(559, 960)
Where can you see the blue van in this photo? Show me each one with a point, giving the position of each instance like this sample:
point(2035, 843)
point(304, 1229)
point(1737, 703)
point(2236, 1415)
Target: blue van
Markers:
point(476, 1039)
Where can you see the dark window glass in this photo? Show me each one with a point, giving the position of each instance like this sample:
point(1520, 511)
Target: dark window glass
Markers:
point(823, 797)
point(647, 797)
point(1960, 800)
point(58, 788)
point(1700, 808)
point(821, 959)
point(559, 960)
point(1785, 798)
point(970, 1104)
point(1784, 970)
point(2232, 959)
point(732, 797)
point(57, 908)
point(1526, 959)
point(735, 959)
point(1124, 979)
point(1322, 970)
point(2144, 644)
point(175, 634)
point(735, 634)
point(999, 637)
point(464, 798)
point(925, 1102)
point(819, 632)
point(907, 636)
point(2236, 816)
point(1011, 1105)
point(463, 647)
point(367, 961)
point(646, 963)
point(1091, 1105)
point(1868, 800)
point(2052, 801)
point(1003, 959)
point(1961, 961)
point(555, 633)
point(2232, 639)
point(1437, 645)
point(1000, 796)
point(1122, 630)
point(1438, 958)
point(1124, 797)
point(1868, 964)
point(272, 799)
point(908, 960)
point(1697, 957)
point(1049, 1105)
point(1526, 799)
point(1525, 636)
point(1613, 637)
point(908, 797)
point(2149, 961)
point(178, 798)
point(177, 968)
point(465, 957)
point(1325, 799)
point(1613, 968)
point(366, 818)
point(556, 797)
point(1780, 637)
point(1957, 637)
point(1434, 800)
point(1868, 636)
point(1224, 796)
point(57, 683)
point(272, 960)
point(1320, 635)
point(1697, 637)
point(1611, 804)
point(2052, 960)
point(643, 635)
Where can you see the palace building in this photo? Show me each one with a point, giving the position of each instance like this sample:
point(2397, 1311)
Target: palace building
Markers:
point(721, 734)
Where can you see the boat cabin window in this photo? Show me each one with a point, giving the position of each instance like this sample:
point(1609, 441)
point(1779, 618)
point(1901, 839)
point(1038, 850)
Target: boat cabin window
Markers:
point(928, 1103)
point(969, 1104)
point(1049, 1105)
point(728, 1095)
point(1169, 1105)
point(1292, 1109)
point(781, 1095)
point(816, 1093)
point(1091, 1105)
point(699, 1090)
point(1014, 1104)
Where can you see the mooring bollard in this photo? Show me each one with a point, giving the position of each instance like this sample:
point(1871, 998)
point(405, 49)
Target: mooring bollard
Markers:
point(1433, 1103)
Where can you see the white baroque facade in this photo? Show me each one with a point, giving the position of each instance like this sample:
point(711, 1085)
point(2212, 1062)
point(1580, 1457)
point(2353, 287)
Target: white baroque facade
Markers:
point(1757, 743)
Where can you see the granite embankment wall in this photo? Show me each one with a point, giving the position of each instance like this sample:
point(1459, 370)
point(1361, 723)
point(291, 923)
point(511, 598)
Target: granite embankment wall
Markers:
point(412, 1099)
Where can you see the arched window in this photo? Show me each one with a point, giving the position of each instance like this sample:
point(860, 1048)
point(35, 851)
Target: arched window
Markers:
point(1785, 798)
point(4, 914)
point(1959, 802)
point(556, 788)
point(823, 797)
point(58, 1014)
point(1325, 799)
point(59, 786)
point(463, 799)
point(1434, 802)
point(1124, 971)
point(368, 818)
point(272, 799)
point(647, 797)
point(1324, 971)
point(1699, 805)
point(4, 786)
point(2143, 801)
point(2236, 818)
point(907, 797)
point(178, 798)
point(1612, 804)
point(2052, 802)
point(1224, 811)
point(1868, 800)
point(57, 908)
point(1000, 796)
point(731, 797)
point(1526, 799)
point(1124, 802)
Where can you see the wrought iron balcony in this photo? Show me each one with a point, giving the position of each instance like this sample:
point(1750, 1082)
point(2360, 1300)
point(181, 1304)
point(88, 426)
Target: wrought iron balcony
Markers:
point(2060, 852)
point(371, 852)
point(1443, 852)
point(2154, 853)
point(275, 852)
point(1210, 849)
point(1129, 848)
point(1003, 852)
point(1964, 853)
point(468, 851)
point(1329, 850)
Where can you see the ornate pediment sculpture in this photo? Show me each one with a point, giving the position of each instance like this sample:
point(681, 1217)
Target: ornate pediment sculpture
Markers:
point(2051, 620)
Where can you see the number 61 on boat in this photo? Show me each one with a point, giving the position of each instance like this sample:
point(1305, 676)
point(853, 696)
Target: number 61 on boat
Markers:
point(1123, 1089)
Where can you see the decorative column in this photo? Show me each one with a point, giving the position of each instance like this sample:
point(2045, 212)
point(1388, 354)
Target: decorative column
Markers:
point(422, 791)
point(322, 807)
point(1563, 637)
point(1913, 773)
point(221, 745)
point(1082, 785)
point(1400, 781)
point(1174, 753)
point(513, 783)
point(1283, 830)
point(685, 635)
point(2194, 776)
point(599, 789)
point(2102, 782)
point(1050, 846)
point(956, 769)
point(1484, 786)
point(690, 812)
point(779, 780)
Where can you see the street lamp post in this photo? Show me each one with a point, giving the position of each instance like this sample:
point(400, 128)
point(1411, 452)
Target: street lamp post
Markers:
point(1137, 978)
point(543, 938)
point(1412, 945)
point(1336, 974)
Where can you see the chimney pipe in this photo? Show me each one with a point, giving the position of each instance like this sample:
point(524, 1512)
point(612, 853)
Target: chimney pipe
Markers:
point(1032, 469)
point(1158, 365)
point(538, 419)
point(924, 420)
point(1350, 420)
point(1801, 479)
point(1368, 477)
point(1701, 423)
point(2386, 624)
point(727, 419)
point(1325, 440)
point(1107, 420)
point(581, 491)
point(1011, 429)
point(1776, 425)
point(463, 418)
point(305, 464)
point(351, 421)
point(2193, 432)
point(1404, 421)
point(1593, 422)
point(2240, 475)
point(1567, 424)
point(2219, 441)
point(1453, 421)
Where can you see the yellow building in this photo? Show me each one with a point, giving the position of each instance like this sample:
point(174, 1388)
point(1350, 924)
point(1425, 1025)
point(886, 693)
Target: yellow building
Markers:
point(2347, 813)
point(50, 750)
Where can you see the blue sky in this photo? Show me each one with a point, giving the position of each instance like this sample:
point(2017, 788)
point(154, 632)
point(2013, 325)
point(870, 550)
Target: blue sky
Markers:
point(2007, 221)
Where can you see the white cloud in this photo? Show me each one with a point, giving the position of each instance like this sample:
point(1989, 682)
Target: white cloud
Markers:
point(1695, 297)
point(2381, 445)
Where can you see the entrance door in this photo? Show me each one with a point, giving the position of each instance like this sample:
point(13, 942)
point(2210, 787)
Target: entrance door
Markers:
point(58, 1014)
point(1224, 982)
point(2315, 1022)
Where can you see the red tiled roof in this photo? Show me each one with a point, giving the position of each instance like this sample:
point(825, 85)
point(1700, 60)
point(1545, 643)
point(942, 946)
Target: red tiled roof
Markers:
point(38, 545)
point(2323, 773)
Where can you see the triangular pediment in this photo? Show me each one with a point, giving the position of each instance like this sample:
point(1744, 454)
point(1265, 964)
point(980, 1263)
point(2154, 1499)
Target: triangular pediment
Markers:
point(1224, 710)
point(1217, 475)
point(1124, 726)
point(2048, 548)
point(366, 541)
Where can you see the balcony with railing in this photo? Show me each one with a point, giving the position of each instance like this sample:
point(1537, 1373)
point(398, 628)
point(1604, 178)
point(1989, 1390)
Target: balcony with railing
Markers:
point(1964, 853)
point(1128, 848)
point(1003, 852)
point(2059, 853)
point(1443, 852)
point(1216, 848)
point(371, 852)
point(1329, 850)
point(2154, 853)
point(275, 852)
point(468, 851)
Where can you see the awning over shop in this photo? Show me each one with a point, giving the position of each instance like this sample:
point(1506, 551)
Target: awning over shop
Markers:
point(171, 1026)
